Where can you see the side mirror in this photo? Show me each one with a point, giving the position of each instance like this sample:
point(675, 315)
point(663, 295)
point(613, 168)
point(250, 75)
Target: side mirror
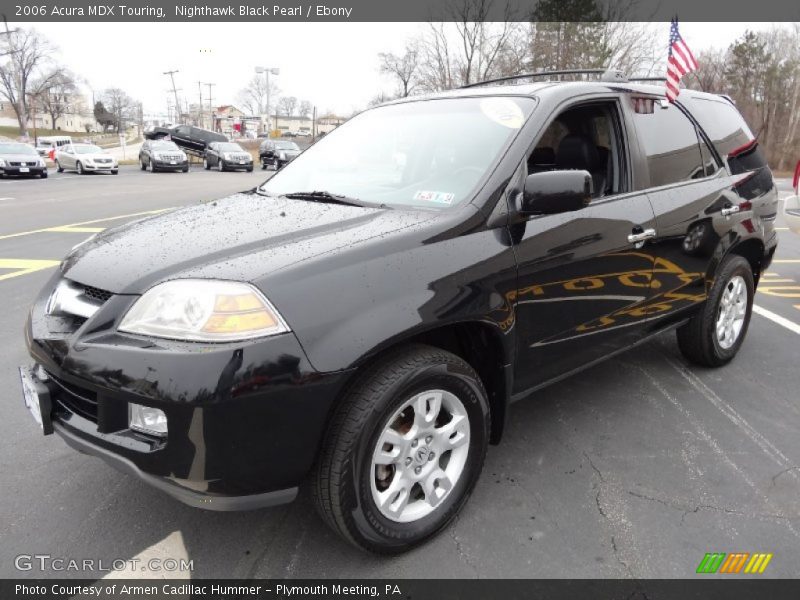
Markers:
point(791, 213)
point(553, 192)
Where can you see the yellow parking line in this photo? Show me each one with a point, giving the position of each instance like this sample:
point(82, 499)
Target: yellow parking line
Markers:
point(781, 229)
point(23, 267)
point(68, 229)
point(786, 261)
point(71, 226)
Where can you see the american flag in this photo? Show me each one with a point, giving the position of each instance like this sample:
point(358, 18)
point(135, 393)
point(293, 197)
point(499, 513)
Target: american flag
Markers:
point(680, 62)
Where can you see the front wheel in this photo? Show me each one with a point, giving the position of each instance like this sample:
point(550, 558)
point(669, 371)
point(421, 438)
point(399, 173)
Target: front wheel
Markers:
point(59, 168)
point(220, 166)
point(403, 450)
point(206, 166)
point(713, 336)
point(115, 172)
point(80, 168)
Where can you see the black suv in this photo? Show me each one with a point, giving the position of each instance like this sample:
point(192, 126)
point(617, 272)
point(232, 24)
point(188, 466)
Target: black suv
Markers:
point(277, 153)
point(187, 137)
point(162, 155)
point(364, 319)
point(227, 156)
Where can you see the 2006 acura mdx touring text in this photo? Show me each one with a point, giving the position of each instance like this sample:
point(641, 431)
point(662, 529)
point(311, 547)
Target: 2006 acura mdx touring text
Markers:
point(362, 321)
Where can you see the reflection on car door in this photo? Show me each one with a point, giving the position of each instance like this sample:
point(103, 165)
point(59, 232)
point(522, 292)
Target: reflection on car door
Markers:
point(582, 285)
point(688, 192)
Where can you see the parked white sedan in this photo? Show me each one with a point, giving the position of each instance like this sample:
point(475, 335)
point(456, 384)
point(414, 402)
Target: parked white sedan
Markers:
point(85, 158)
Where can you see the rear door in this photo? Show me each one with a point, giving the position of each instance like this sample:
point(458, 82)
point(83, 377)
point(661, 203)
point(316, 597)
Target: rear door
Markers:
point(691, 195)
point(582, 284)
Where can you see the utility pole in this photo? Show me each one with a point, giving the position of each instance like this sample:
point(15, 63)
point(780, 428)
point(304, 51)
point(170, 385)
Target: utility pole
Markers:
point(174, 91)
point(200, 106)
point(210, 107)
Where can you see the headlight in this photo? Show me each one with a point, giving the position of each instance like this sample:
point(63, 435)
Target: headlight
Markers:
point(41, 163)
point(157, 155)
point(2, 163)
point(283, 155)
point(147, 419)
point(203, 310)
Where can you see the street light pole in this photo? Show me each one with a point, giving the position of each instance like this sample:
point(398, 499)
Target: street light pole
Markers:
point(267, 71)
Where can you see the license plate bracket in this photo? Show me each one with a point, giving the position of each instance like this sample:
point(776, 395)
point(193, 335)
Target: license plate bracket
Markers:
point(36, 396)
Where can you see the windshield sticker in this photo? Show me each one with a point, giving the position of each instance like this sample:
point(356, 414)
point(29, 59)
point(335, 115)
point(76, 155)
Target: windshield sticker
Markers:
point(437, 197)
point(503, 111)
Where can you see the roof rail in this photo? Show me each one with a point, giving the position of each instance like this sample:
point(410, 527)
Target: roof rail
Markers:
point(647, 79)
point(603, 75)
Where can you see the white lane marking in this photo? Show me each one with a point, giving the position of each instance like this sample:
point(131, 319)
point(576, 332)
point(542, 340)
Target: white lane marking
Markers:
point(726, 409)
point(150, 562)
point(6, 198)
point(776, 318)
point(717, 449)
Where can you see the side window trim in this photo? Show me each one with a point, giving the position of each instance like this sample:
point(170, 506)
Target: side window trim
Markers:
point(701, 135)
point(612, 102)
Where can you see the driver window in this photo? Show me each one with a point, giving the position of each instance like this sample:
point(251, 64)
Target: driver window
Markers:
point(583, 138)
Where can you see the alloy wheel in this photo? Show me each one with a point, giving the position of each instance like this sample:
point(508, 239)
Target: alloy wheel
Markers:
point(420, 456)
point(731, 312)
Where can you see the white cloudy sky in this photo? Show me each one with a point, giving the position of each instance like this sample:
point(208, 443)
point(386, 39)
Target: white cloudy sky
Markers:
point(334, 65)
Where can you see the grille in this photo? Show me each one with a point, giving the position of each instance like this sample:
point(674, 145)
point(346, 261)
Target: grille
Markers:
point(23, 164)
point(102, 160)
point(96, 293)
point(76, 399)
point(175, 157)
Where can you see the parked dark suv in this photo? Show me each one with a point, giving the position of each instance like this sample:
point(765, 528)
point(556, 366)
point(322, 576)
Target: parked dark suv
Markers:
point(364, 319)
point(277, 153)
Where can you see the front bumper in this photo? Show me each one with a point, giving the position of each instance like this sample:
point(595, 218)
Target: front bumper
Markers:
point(31, 171)
point(101, 167)
point(235, 164)
point(245, 421)
point(165, 165)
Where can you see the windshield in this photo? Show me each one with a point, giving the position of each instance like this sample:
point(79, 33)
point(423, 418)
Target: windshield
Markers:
point(88, 150)
point(17, 149)
point(230, 148)
point(286, 146)
point(427, 154)
point(163, 145)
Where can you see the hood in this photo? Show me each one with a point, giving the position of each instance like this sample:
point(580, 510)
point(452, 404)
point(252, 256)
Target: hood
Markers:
point(21, 157)
point(242, 238)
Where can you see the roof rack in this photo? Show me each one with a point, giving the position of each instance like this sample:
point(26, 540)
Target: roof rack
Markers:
point(647, 79)
point(602, 75)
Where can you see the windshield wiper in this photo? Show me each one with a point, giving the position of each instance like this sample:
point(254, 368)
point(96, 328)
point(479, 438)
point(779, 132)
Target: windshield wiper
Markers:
point(325, 197)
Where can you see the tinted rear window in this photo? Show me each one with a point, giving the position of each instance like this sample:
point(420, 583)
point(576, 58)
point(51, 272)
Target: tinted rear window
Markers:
point(722, 123)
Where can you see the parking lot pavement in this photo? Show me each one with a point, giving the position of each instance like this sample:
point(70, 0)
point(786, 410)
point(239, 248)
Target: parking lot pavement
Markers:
point(635, 468)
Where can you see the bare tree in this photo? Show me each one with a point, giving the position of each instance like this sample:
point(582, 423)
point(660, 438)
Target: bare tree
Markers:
point(287, 105)
point(26, 72)
point(253, 97)
point(121, 106)
point(402, 68)
point(61, 96)
point(305, 108)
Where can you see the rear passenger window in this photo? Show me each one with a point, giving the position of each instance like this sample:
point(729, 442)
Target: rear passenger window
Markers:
point(669, 141)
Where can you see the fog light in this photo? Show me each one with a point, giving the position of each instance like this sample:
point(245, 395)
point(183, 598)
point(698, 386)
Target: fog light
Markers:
point(147, 420)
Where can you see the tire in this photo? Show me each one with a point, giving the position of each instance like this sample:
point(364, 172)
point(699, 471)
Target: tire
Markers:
point(142, 165)
point(206, 166)
point(79, 168)
point(151, 166)
point(43, 175)
point(250, 169)
point(276, 165)
point(185, 170)
point(115, 172)
point(220, 166)
point(345, 481)
point(263, 166)
point(59, 168)
point(711, 338)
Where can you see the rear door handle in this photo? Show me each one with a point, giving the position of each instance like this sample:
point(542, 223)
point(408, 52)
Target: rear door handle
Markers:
point(641, 237)
point(730, 210)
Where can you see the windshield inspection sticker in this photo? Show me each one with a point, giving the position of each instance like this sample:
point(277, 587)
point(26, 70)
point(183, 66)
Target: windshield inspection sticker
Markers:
point(438, 197)
point(503, 111)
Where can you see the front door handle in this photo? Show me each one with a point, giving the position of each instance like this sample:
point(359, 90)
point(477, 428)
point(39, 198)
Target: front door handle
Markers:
point(639, 238)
